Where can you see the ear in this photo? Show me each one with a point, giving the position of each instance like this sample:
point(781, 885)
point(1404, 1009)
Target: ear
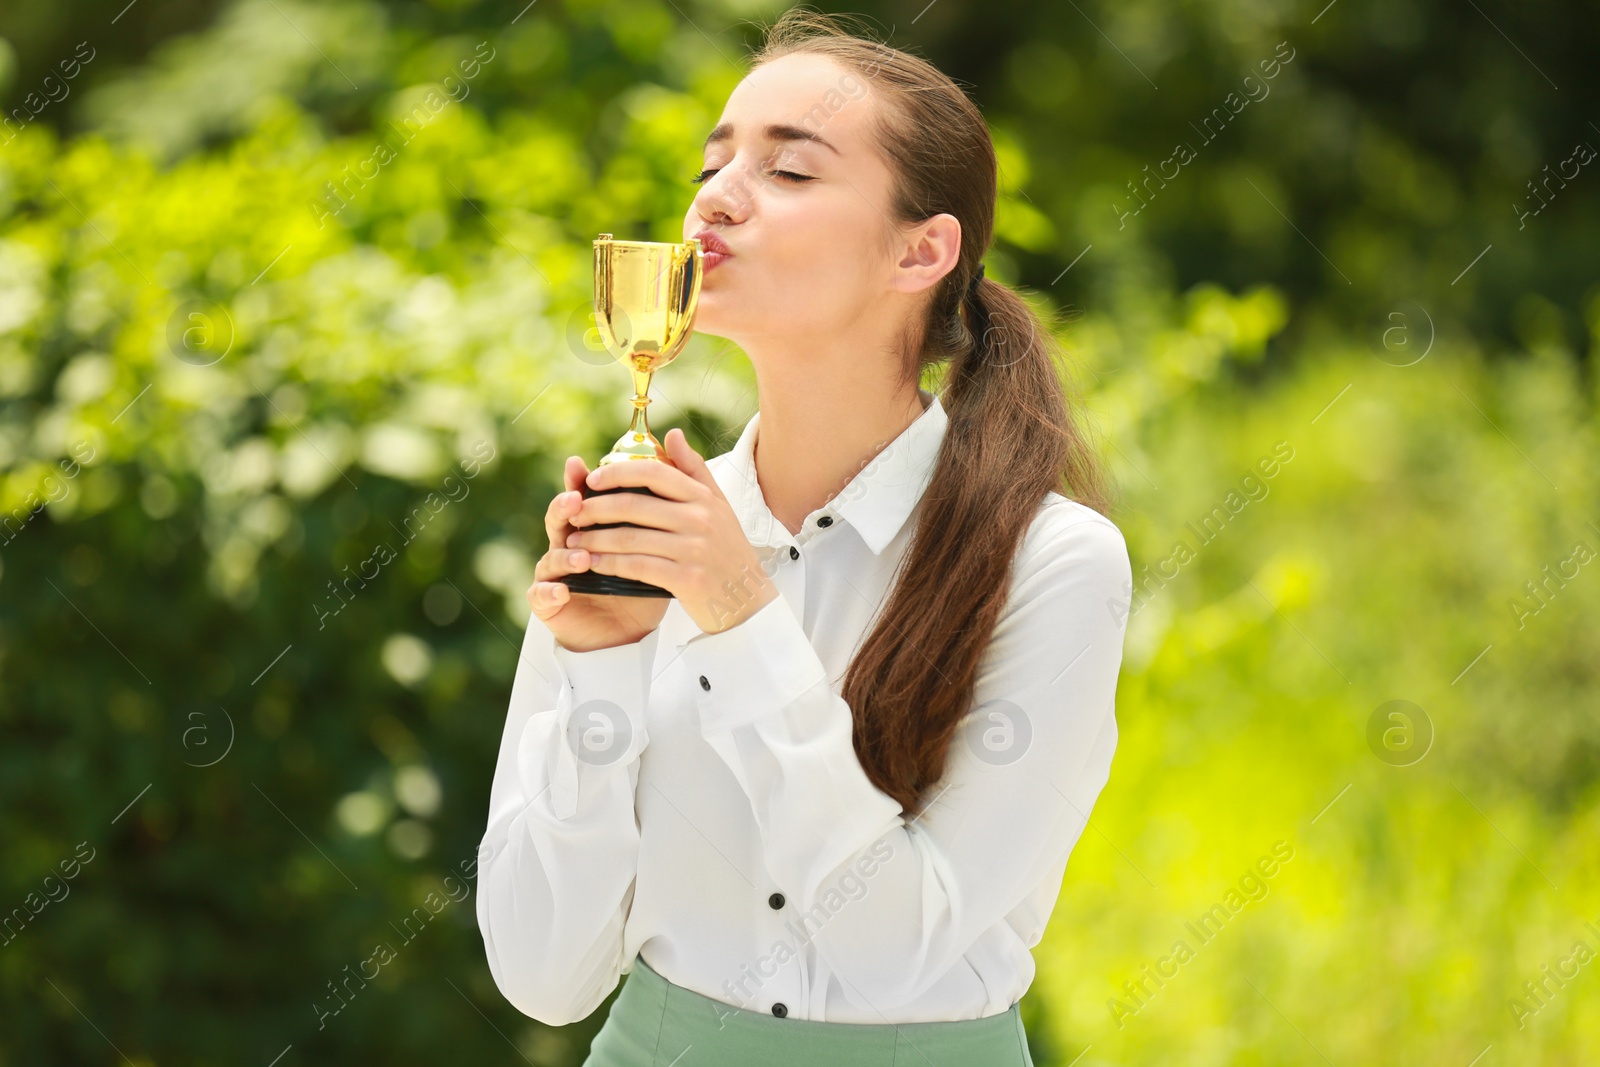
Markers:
point(932, 248)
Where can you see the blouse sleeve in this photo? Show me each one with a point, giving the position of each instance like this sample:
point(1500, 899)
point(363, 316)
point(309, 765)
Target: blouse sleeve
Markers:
point(1001, 820)
point(557, 864)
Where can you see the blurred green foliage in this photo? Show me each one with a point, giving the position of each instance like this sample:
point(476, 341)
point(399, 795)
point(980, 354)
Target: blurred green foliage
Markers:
point(222, 391)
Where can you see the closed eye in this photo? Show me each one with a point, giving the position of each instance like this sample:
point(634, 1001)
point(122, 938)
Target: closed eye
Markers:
point(788, 175)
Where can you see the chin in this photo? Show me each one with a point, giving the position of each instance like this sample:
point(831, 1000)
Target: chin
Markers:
point(712, 314)
point(707, 321)
point(733, 332)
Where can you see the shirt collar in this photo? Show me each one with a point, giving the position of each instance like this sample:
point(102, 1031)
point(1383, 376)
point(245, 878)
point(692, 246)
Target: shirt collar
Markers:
point(876, 502)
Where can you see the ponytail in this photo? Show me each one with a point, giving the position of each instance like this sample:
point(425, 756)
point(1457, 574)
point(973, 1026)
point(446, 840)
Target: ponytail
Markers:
point(1010, 441)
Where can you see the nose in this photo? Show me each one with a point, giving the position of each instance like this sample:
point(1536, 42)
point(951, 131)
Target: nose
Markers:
point(726, 196)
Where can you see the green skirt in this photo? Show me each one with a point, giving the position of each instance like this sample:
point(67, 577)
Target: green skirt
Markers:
point(654, 1023)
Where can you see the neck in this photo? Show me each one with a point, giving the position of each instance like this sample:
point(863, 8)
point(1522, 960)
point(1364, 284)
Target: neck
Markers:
point(822, 422)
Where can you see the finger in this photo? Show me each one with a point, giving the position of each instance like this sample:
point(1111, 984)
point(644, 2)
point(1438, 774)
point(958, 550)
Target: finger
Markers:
point(559, 561)
point(641, 509)
point(690, 462)
point(557, 517)
point(663, 479)
point(548, 594)
point(652, 569)
point(576, 471)
point(636, 539)
point(547, 598)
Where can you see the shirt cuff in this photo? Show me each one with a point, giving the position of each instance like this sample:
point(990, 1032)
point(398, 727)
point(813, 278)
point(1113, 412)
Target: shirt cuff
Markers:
point(598, 723)
point(610, 688)
point(755, 668)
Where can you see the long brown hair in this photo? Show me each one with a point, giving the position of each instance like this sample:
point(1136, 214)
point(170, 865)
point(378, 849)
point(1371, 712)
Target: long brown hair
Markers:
point(1011, 437)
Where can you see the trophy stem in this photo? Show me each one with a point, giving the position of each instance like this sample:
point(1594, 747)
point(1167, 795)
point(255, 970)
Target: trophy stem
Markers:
point(638, 442)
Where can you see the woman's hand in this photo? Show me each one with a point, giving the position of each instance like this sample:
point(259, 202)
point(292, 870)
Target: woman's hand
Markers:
point(583, 623)
point(688, 540)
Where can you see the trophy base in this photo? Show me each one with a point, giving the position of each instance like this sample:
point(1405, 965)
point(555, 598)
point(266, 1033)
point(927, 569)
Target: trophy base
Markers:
point(611, 585)
point(593, 584)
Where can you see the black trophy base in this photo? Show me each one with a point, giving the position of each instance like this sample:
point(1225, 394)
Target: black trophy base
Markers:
point(611, 584)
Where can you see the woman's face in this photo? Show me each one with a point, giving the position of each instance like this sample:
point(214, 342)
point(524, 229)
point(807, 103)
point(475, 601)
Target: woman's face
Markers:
point(802, 206)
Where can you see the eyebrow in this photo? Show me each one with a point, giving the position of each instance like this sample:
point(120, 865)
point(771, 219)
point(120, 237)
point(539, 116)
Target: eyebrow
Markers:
point(778, 131)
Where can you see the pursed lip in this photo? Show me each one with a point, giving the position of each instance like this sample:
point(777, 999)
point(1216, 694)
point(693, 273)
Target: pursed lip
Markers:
point(710, 242)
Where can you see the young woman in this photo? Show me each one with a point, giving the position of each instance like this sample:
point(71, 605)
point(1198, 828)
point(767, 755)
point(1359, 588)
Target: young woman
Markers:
point(818, 807)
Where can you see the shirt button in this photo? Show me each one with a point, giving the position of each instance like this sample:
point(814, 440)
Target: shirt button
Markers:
point(705, 684)
point(779, 1010)
point(826, 520)
point(775, 901)
point(794, 553)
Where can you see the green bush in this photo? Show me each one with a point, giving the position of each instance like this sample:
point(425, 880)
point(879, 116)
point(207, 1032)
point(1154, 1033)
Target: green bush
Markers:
point(273, 463)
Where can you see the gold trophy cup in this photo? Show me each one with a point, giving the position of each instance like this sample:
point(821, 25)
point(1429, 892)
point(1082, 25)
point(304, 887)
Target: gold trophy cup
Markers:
point(645, 294)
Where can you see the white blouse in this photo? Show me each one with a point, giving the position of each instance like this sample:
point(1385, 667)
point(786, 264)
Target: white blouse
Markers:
point(695, 798)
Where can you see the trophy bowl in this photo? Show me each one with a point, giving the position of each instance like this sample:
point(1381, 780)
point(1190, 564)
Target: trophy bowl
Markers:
point(645, 295)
